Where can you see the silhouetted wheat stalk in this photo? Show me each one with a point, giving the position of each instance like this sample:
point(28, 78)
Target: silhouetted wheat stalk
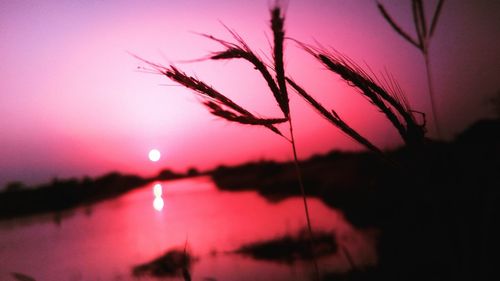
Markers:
point(221, 106)
point(388, 97)
point(424, 34)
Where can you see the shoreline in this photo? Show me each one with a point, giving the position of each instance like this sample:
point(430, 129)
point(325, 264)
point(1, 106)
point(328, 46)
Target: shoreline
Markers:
point(350, 181)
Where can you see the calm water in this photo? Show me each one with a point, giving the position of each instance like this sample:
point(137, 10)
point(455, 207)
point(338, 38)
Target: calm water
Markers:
point(104, 241)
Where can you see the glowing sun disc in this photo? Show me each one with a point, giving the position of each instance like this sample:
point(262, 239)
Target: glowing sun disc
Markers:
point(154, 155)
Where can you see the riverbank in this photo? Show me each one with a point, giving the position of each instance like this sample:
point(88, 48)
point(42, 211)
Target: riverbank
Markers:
point(18, 200)
point(351, 181)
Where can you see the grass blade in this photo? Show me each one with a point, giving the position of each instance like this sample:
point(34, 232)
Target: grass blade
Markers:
point(396, 28)
point(422, 19)
point(435, 17)
point(417, 24)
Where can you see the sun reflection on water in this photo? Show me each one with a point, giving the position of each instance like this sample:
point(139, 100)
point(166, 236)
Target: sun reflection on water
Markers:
point(158, 201)
point(157, 190)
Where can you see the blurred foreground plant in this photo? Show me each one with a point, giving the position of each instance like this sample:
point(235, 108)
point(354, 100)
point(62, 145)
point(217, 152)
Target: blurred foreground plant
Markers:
point(424, 35)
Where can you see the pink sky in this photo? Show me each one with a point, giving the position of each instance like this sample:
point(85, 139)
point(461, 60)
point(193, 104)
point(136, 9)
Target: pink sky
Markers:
point(72, 102)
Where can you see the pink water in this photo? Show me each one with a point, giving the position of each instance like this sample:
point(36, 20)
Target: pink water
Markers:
point(104, 241)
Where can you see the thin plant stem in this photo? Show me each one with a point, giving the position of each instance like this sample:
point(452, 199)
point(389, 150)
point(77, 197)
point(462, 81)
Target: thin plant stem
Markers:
point(431, 94)
point(424, 34)
point(304, 198)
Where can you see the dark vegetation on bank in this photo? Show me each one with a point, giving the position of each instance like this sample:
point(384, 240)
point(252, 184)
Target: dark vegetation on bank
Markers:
point(284, 249)
point(174, 263)
point(60, 195)
point(288, 248)
point(360, 183)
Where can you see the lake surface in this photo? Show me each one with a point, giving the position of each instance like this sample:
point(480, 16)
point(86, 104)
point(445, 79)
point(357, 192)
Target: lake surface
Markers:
point(104, 241)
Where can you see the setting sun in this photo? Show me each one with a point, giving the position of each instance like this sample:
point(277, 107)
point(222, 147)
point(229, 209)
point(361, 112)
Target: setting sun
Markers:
point(154, 155)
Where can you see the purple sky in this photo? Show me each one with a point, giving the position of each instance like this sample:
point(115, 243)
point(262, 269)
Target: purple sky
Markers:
point(72, 102)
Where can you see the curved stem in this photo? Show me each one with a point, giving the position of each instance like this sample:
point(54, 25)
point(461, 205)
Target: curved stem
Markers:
point(431, 94)
point(303, 193)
